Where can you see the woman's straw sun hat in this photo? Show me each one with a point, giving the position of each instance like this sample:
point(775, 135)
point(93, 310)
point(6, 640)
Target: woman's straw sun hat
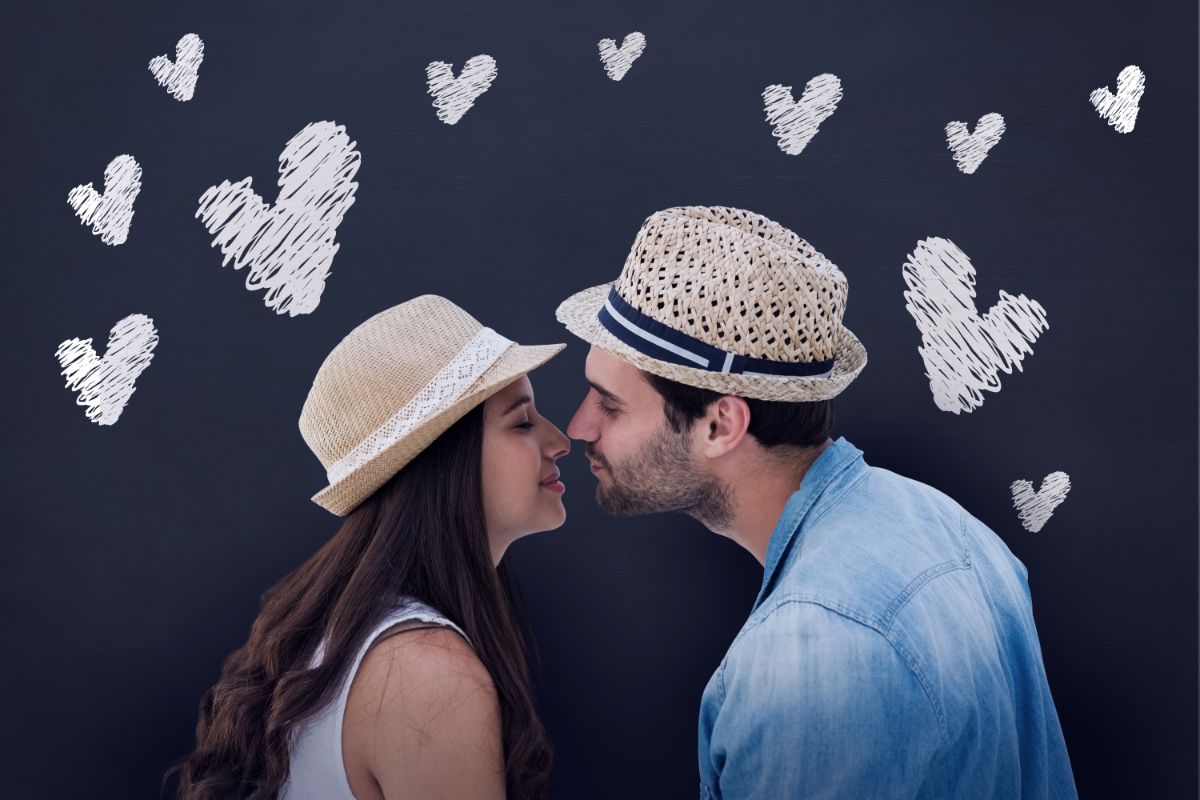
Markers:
point(397, 382)
point(725, 299)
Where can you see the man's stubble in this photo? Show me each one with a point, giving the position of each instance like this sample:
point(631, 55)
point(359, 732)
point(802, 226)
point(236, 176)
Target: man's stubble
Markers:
point(662, 477)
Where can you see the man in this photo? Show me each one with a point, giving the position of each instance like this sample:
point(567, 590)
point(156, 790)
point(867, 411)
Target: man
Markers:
point(891, 651)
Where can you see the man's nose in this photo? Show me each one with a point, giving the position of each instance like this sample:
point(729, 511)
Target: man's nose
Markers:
point(581, 427)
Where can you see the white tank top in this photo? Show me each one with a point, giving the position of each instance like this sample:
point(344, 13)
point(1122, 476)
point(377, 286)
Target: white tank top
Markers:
point(317, 771)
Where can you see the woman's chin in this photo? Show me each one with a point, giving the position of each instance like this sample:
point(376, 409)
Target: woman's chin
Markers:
point(554, 522)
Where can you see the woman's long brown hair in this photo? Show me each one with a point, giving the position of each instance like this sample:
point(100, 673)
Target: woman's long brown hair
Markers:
point(422, 534)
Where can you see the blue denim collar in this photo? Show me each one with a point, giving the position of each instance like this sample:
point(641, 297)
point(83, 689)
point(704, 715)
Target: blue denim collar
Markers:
point(835, 460)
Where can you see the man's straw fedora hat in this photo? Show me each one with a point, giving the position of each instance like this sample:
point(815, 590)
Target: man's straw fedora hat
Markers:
point(725, 299)
point(397, 382)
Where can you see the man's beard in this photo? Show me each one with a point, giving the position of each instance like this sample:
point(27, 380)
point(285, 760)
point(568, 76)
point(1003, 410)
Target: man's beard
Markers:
point(662, 477)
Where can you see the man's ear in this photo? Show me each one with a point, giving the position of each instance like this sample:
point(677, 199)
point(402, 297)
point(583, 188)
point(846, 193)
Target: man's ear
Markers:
point(724, 425)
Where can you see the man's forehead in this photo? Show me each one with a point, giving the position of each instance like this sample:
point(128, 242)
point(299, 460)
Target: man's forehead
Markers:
point(612, 373)
point(606, 364)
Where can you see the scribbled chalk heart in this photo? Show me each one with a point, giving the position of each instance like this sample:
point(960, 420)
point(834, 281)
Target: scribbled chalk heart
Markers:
point(1034, 508)
point(110, 214)
point(797, 121)
point(453, 97)
point(970, 149)
point(289, 246)
point(1121, 109)
point(618, 60)
point(104, 385)
point(963, 351)
point(179, 76)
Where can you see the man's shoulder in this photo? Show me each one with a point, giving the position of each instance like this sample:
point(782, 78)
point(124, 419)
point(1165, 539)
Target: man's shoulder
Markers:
point(898, 554)
point(871, 550)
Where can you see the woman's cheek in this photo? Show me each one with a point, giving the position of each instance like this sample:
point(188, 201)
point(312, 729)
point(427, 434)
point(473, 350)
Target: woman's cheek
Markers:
point(523, 475)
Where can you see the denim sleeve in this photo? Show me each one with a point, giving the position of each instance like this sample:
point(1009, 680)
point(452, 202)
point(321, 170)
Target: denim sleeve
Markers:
point(818, 705)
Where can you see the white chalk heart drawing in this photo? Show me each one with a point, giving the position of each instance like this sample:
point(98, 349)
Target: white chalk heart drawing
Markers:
point(104, 385)
point(1121, 109)
point(1034, 508)
point(797, 121)
point(453, 97)
point(971, 149)
point(290, 246)
point(179, 76)
point(110, 214)
point(618, 60)
point(964, 351)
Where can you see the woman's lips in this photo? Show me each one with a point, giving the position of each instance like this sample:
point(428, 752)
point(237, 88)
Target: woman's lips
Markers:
point(554, 486)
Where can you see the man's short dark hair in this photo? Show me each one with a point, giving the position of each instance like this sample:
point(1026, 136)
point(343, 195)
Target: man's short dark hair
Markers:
point(772, 422)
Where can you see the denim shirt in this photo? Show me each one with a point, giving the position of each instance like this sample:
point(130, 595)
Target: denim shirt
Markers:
point(891, 653)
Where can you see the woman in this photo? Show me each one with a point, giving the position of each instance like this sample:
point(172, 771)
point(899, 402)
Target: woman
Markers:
point(391, 664)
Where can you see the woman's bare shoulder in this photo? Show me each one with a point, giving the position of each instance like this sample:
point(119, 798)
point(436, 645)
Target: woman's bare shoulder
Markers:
point(408, 673)
point(426, 652)
point(420, 698)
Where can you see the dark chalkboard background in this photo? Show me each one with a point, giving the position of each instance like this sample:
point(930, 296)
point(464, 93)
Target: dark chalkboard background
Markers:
point(133, 556)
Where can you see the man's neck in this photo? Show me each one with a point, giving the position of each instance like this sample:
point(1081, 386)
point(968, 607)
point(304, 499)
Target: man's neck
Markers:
point(758, 493)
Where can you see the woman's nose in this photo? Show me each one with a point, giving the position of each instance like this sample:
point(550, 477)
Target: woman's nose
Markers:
point(560, 445)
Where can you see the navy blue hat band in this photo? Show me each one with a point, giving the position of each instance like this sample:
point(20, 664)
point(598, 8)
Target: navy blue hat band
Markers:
point(647, 335)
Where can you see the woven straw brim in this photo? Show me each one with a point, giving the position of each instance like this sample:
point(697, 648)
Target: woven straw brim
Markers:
point(344, 496)
point(579, 313)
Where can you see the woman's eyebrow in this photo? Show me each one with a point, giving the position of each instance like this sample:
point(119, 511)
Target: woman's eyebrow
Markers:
point(520, 401)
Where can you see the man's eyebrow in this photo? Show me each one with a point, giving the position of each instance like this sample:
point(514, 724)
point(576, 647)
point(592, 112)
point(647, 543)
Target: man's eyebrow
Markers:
point(605, 392)
point(520, 401)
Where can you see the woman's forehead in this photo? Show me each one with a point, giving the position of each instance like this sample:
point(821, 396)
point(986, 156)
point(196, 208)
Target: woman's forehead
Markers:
point(511, 396)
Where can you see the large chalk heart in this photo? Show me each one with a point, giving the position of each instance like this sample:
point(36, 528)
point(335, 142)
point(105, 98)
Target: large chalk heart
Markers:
point(289, 246)
point(963, 350)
